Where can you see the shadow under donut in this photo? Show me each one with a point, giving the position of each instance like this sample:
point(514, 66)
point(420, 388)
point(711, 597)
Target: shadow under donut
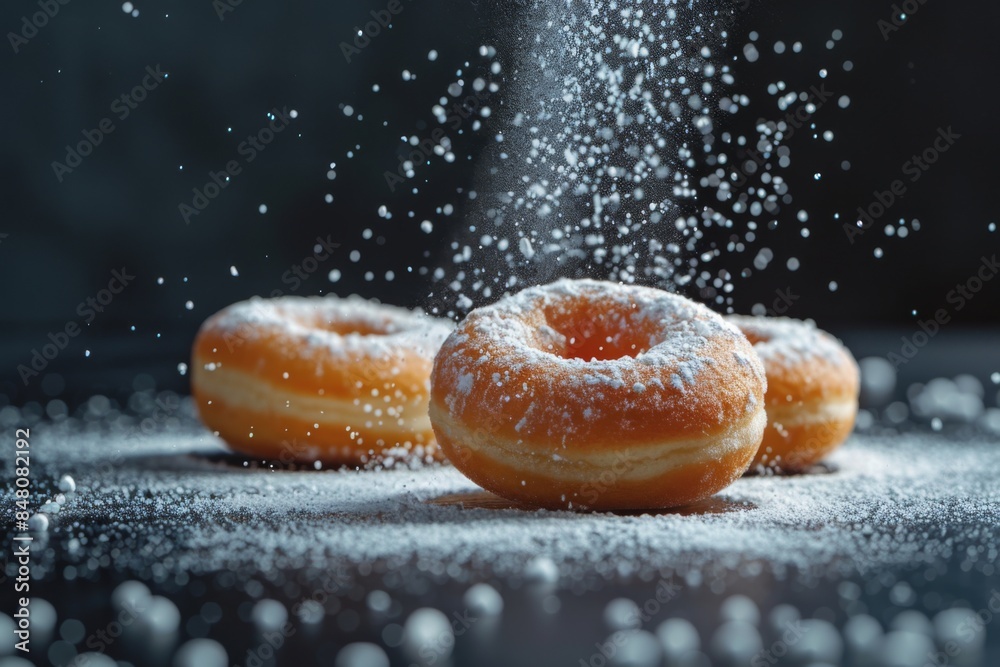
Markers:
point(208, 461)
point(485, 500)
point(821, 468)
point(243, 462)
point(234, 460)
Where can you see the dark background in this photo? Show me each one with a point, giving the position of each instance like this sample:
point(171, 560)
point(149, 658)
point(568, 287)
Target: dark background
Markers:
point(119, 208)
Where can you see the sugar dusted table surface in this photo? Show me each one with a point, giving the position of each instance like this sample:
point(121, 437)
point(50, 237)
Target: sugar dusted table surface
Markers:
point(892, 522)
point(880, 501)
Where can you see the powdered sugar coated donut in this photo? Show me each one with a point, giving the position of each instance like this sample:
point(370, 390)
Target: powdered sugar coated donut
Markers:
point(317, 379)
point(812, 396)
point(586, 394)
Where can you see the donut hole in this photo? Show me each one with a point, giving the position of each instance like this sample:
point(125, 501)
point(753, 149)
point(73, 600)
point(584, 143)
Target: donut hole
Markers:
point(590, 334)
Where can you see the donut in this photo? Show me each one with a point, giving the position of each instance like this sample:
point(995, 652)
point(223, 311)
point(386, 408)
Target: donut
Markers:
point(592, 395)
point(812, 396)
point(318, 379)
